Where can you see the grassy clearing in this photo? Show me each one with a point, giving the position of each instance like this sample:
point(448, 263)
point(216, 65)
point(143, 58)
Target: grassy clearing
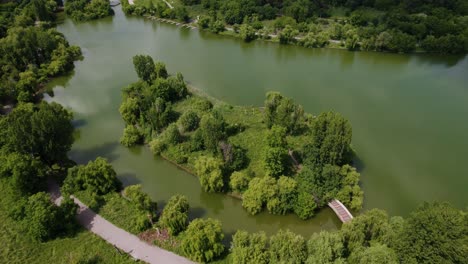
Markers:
point(18, 248)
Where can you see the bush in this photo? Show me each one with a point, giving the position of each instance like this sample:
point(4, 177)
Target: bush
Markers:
point(250, 248)
point(275, 161)
point(305, 205)
point(189, 121)
point(97, 176)
point(239, 181)
point(259, 192)
point(157, 146)
point(287, 247)
point(172, 135)
point(203, 240)
point(131, 136)
point(175, 214)
point(209, 171)
point(247, 32)
point(177, 154)
point(140, 199)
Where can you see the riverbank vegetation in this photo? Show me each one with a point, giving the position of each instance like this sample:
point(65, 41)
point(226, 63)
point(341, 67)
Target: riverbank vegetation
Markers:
point(84, 10)
point(31, 51)
point(391, 26)
point(253, 152)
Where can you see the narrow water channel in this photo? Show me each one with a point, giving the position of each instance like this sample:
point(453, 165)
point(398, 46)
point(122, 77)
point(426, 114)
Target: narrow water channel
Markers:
point(408, 112)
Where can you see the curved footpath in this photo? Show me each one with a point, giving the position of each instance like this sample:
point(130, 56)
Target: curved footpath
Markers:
point(116, 236)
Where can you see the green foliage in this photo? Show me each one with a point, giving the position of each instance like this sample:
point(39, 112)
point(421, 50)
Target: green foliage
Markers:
point(282, 111)
point(288, 35)
point(286, 196)
point(83, 10)
point(141, 200)
point(209, 171)
point(42, 220)
point(189, 121)
point(44, 131)
point(249, 248)
point(287, 247)
point(325, 247)
point(305, 205)
point(97, 176)
point(350, 194)
point(203, 240)
point(217, 26)
point(276, 137)
point(175, 214)
point(27, 173)
point(235, 158)
point(212, 127)
point(260, 191)
point(374, 254)
point(331, 138)
point(434, 233)
point(144, 67)
point(130, 110)
point(247, 32)
point(239, 181)
point(171, 135)
point(157, 146)
point(131, 136)
point(275, 161)
point(312, 40)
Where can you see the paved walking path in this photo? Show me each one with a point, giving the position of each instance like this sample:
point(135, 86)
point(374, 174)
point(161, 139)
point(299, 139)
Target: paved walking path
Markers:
point(118, 237)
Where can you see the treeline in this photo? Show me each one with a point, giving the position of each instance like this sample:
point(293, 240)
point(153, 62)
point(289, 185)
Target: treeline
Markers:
point(255, 155)
point(377, 25)
point(156, 8)
point(434, 233)
point(34, 141)
point(31, 51)
point(83, 10)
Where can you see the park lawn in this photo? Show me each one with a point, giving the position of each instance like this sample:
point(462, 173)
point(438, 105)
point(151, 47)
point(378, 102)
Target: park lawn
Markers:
point(115, 209)
point(18, 248)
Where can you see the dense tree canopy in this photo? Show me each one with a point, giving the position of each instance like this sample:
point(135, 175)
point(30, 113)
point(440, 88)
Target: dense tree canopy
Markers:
point(82, 10)
point(97, 176)
point(44, 131)
point(202, 240)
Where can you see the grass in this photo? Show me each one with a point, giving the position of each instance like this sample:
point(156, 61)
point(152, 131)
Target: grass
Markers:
point(251, 138)
point(18, 248)
point(115, 209)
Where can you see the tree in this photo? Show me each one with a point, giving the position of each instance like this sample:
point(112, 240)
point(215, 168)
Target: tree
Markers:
point(259, 192)
point(312, 40)
point(288, 35)
point(159, 114)
point(331, 138)
point(352, 42)
point(130, 110)
point(27, 173)
point(144, 67)
point(350, 194)
point(203, 240)
point(326, 247)
point(276, 137)
point(141, 200)
point(160, 70)
point(282, 111)
point(287, 247)
point(131, 136)
point(376, 253)
point(209, 171)
point(286, 197)
point(305, 205)
point(239, 181)
point(189, 121)
point(275, 161)
point(247, 32)
point(171, 135)
point(44, 131)
point(249, 248)
point(434, 233)
point(366, 229)
point(212, 127)
point(97, 176)
point(175, 214)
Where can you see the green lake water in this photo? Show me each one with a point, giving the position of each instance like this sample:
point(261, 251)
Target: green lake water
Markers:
point(409, 112)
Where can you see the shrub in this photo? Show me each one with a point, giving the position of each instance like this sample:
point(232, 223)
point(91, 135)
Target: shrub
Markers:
point(239, 181)
point(209, 171)
point(250, 248)
point(275, 161)
point(203, 240)
point(305, 205)
point(189, 121)
point(131, 136)
point(177, 154)
point(172, 135)
point(175, 214)
point(140, 199)
point(287, 247)
point(157, 146)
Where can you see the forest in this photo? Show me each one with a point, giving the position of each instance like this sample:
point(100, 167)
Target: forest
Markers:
point(372, 25)
point(83, 10)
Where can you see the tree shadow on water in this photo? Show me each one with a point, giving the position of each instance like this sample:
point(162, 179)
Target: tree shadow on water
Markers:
point(106, 150)
point(128, 178)
point(196, 212)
